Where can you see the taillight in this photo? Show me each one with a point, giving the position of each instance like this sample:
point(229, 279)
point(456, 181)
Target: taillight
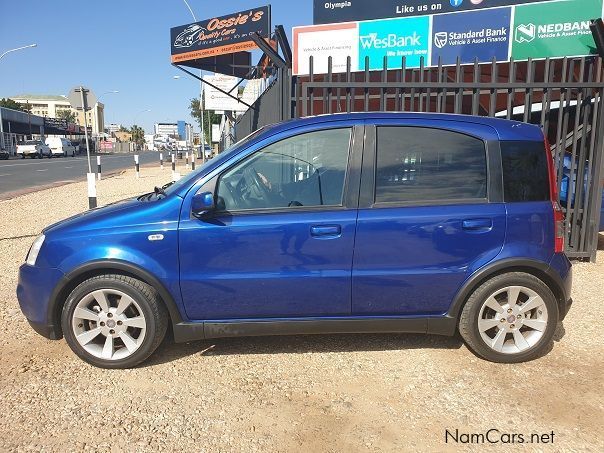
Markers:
point(553, 192)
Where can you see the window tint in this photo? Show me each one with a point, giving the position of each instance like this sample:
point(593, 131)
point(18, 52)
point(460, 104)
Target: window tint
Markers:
point(525, 176)
point(422, 164)
point(305, 170)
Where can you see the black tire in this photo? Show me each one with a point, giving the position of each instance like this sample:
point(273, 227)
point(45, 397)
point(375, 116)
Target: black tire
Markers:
point(468, 321)
point(155, 313)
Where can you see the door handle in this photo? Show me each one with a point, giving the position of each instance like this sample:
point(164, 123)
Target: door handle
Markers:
point(477, 224)
point(326, 230)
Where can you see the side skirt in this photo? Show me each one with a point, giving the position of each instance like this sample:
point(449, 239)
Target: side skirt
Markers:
point(185, 332)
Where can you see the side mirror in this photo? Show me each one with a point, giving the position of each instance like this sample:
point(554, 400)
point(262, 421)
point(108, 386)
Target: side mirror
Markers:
point(203, 203)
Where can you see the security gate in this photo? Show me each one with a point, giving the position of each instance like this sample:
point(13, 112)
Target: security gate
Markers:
point(563, 96)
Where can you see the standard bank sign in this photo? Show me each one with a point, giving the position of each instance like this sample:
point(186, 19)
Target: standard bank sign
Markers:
point(394, 39)
point(481, 35)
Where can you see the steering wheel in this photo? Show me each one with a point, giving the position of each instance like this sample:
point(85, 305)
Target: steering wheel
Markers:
point(252, 178)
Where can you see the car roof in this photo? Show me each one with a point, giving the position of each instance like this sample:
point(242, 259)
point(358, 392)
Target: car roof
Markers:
point(506, 129)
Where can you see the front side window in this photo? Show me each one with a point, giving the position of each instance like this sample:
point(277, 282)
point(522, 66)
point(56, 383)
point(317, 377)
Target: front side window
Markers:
point(428, 165)
point(308, 170)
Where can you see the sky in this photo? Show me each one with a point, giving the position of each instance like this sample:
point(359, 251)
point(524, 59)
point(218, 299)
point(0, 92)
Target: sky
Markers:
point(109, 45)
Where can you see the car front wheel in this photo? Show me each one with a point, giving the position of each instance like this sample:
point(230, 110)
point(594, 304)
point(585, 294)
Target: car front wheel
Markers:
point(114, 321)
point(510, 318)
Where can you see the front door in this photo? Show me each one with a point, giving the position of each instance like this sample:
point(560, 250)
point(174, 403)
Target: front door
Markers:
point(281, 244)
point(430, 213)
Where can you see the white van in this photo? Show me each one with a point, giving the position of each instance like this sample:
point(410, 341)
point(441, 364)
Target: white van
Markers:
point(60, 146)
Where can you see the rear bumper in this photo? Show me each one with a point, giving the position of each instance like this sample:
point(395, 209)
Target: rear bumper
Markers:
point(562, 267)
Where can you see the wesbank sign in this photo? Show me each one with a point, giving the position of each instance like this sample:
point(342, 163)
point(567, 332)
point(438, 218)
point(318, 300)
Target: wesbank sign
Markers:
point(394, 39)
point(484, 31)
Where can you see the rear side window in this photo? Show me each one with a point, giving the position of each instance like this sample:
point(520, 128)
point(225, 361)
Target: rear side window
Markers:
point(429, 165)
point(525, 176)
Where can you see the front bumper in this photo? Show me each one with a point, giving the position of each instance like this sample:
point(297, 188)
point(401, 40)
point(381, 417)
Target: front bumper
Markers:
point(34, 293)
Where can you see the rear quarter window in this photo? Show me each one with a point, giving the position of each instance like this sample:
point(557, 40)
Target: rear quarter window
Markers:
point(525, 175)
point(417, 165)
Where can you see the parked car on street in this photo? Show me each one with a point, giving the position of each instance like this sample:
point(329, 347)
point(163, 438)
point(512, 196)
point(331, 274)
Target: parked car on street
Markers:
point(4, 154)
point(33, 149)
point(205, 151)
point(382, 222)
point(61, 147)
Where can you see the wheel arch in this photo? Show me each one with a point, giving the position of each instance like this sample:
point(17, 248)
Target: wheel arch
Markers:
point(92, 269)
point(448, 325)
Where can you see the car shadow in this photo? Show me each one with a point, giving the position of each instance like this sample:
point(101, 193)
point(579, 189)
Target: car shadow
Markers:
point(300, 344)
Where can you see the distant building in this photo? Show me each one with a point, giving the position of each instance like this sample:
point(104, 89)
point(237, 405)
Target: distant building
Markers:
point(49, 106)
point(179, 130)
point(123, 136)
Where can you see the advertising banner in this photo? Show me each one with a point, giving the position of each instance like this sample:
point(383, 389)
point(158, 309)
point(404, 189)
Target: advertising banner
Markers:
point(359, 10)
point(338, 41)
point(394, 39)
point(219, 35)
point(551, 28)
point(558, 29)
point(478, 34)
point(216, 100)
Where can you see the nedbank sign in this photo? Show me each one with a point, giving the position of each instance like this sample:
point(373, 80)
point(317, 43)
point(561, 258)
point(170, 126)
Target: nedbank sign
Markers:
point(558, 29)
point(463, 30)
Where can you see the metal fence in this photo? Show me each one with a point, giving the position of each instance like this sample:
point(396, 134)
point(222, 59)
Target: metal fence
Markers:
point(272, 107)
point(564, 96)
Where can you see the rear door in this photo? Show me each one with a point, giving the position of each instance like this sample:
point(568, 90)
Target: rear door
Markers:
point(430, 212)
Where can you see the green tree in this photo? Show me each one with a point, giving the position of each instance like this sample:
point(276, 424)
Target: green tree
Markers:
point(10, 104)
point(209, 118)
point(138, 134)
point(123, 129)
point(67, 115)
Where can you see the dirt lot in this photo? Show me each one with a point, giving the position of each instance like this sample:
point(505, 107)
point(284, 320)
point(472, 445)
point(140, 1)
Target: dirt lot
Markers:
point(319, 393)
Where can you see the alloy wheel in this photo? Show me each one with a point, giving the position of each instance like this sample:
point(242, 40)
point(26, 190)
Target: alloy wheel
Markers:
point(512, 320)
point(109, 324)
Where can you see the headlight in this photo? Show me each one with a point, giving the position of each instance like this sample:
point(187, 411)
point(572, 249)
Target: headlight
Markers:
point(32, 256)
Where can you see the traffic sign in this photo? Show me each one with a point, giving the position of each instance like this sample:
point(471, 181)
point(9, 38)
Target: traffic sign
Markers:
point(81, 98)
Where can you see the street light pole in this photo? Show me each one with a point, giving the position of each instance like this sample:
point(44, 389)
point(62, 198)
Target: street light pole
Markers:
point(18, 48)
point(203, 139)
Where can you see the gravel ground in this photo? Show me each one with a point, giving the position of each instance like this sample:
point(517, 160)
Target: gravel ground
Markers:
point(317, 393)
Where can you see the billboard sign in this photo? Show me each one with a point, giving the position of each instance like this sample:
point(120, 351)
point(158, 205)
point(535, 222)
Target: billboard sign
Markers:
point(559, 29)
point(216, 100)
point(550, 28)
point(360, 10)
point(483, 34)
point(219, 35)
point(394, 39)
point(338, 41)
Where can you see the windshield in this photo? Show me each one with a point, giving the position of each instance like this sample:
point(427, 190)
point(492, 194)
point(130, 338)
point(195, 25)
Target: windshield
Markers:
point(31, 142)
point(188, 179)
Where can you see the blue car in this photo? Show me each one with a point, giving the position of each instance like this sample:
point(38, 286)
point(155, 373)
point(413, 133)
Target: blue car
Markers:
point(382, 222)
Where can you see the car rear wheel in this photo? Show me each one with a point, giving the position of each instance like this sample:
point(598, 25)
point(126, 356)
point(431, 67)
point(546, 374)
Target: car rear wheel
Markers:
point(114, 321)
point(510, 318)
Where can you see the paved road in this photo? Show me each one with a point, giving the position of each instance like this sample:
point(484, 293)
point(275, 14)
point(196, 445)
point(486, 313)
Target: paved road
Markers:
point(23, 174)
